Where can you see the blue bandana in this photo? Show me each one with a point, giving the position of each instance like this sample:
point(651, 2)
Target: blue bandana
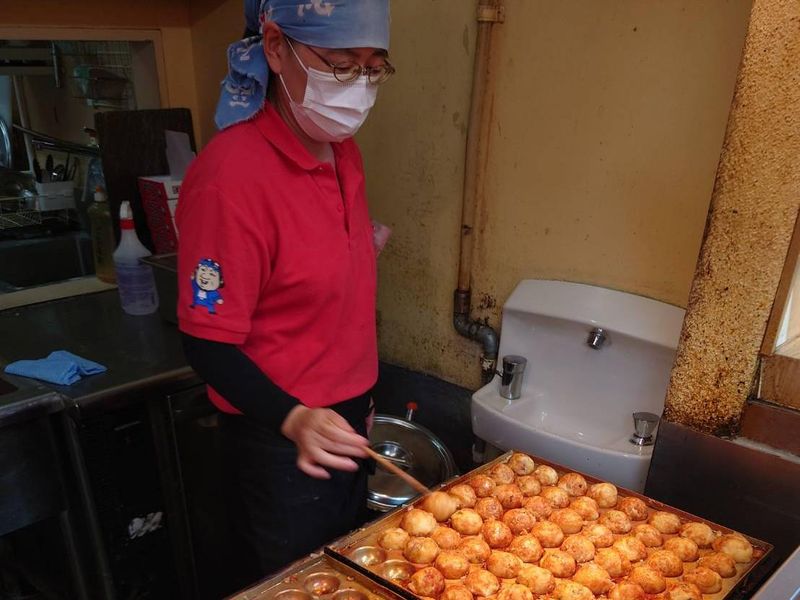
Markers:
point(322, 23)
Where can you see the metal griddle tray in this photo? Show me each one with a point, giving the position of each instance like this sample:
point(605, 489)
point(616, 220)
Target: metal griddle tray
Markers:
point(319, 577)
point(360, 551)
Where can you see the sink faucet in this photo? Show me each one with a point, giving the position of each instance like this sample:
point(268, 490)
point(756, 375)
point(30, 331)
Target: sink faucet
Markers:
point(511, 376)
point(597, 337)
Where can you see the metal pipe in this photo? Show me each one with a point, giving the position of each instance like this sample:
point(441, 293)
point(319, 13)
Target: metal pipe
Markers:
point(479, 332)
point(22, 107)
point(489, 13)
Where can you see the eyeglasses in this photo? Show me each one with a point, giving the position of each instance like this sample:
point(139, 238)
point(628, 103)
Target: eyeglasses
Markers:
point(347, 72)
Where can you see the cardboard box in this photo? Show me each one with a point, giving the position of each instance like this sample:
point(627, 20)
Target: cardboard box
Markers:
point(160, 200)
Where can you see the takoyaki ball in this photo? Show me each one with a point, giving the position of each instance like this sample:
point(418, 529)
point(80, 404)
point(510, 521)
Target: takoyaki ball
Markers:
point(719, 562)
point(667, 562)
point(570, 590)
point(595, 578)
point(613, 561)
point(600, 535)
point(648, 535)
point(631, 548)
point(665, 522)
point(569, 520)
point(539, 506)
point(556, 496)
point(580, 547)
point(735, 546)
point(441, 505)
point(586, 507)
point(466, 521)
point(427, 582)
point(706, 580)
point(475, 549)
point(465, 494)
point(635, 508)
point(529, 485)
point(496, 533)
point(481, 582)
point(394, 538)
point(456, 592)
point(538, 579)
point(501, 474)
point(683, 590)
point(573, 483)
point(627, 590)
point(700, 533)
point(527, 548)
point(605, 494)
point(548, 533)
point(504, 564)
point(482, 485)
point(421, 550)
point(651, 580)
point(546, 475)
point(616, 520)
point(489, 508)
point(559, 563)
point(418, 522)
point(685, 549)
point(446, 538)
point(519, 520)
point(453, 565)
point(509, 495)
point(521, 464)
point(515, 591)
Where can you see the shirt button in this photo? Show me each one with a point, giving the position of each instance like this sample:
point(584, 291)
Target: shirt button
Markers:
point(339, 209)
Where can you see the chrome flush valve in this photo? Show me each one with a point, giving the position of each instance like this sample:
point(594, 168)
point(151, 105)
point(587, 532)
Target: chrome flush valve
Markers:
point(644, 425)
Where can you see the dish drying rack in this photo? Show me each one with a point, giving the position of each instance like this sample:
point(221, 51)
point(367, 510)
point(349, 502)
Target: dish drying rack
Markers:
point(25, 211)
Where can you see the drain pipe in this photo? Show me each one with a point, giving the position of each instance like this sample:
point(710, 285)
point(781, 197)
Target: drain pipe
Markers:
point(489, 13)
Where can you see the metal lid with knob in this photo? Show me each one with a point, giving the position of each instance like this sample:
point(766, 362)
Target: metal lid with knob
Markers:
point(414, 449)
point(644, 425)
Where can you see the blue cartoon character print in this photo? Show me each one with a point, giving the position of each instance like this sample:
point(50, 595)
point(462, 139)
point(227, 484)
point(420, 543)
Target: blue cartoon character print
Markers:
point(206, 283)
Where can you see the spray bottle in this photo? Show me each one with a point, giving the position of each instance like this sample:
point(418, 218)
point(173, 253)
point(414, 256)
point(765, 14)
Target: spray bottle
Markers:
point(137, 287)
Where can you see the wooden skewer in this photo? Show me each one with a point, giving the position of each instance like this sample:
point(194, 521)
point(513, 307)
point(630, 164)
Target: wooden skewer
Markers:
point(390, 466)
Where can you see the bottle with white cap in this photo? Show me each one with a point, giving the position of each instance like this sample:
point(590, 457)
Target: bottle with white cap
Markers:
point(137, 287)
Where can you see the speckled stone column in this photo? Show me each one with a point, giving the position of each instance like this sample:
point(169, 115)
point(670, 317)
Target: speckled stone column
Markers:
point(753, 209)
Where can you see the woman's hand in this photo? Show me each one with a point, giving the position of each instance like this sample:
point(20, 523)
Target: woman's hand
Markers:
point(324, 439)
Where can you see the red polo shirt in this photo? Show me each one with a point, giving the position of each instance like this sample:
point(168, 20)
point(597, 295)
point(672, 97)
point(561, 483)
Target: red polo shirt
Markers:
point(276, 256)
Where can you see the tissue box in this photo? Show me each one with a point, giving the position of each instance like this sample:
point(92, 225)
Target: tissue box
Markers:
point(159, 200)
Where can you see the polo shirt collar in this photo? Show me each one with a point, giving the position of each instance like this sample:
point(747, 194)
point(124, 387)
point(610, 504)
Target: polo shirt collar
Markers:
point(277, 133)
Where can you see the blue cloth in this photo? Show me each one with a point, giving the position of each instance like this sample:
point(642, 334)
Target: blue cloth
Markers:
point(60, 367)
point(322, 23)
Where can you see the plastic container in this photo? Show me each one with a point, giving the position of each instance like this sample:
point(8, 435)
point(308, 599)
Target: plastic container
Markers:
point(102, 237)
point(137, 287)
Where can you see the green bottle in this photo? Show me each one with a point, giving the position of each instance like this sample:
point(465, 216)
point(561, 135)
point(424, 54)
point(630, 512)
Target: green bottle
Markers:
point(103, 242)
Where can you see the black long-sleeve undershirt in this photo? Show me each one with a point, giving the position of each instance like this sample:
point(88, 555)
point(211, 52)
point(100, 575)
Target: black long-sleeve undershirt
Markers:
point(238, 379)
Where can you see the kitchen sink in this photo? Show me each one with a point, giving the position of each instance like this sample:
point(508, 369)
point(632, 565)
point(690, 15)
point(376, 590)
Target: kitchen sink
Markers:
point(38, 261)
point(594, 357)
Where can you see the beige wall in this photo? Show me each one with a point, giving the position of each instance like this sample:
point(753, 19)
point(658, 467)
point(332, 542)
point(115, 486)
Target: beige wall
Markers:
point(607, 125)
point(215, 25)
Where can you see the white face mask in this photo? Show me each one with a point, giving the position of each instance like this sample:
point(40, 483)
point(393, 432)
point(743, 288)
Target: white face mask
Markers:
point(331, 111)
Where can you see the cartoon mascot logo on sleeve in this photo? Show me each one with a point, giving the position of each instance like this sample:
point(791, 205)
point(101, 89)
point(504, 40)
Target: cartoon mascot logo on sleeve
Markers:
point(206, 283)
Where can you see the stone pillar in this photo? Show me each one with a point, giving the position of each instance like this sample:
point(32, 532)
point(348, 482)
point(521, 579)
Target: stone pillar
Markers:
point(750, 222)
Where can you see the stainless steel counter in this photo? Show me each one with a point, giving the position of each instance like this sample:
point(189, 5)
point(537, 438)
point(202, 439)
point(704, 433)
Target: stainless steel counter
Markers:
point(138, 351)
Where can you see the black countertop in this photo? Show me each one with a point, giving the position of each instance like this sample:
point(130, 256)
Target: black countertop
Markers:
point(137, 350)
